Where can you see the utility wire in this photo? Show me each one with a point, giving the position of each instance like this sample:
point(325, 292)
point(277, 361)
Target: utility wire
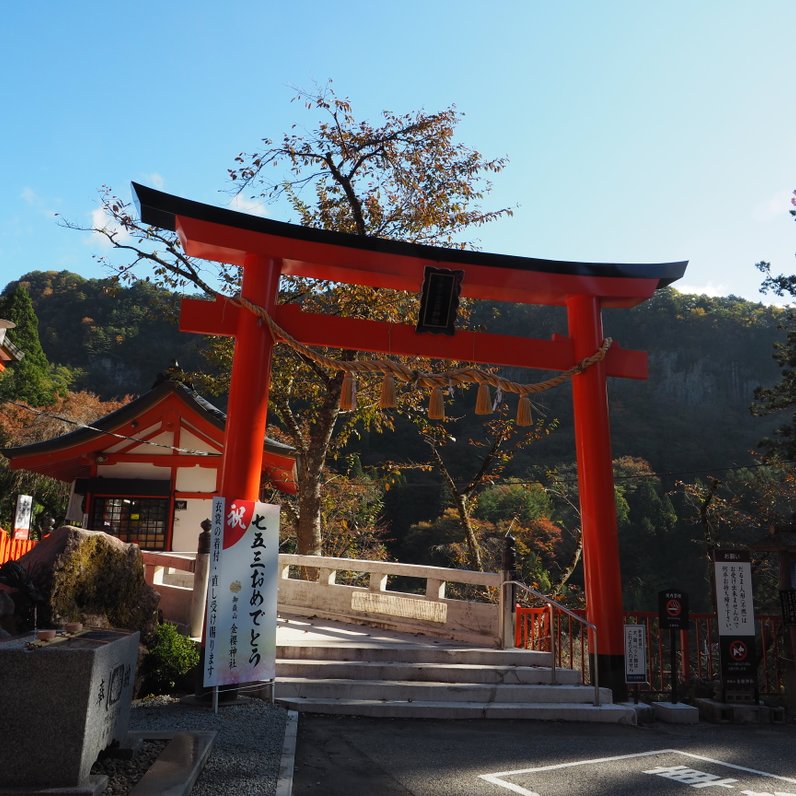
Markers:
point(79, 424)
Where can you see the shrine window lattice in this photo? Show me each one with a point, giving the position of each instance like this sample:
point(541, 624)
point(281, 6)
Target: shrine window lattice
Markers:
point(142, 521)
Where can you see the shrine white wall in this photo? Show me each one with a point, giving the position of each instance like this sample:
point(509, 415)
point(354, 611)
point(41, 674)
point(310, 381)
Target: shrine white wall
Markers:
point(187, 524)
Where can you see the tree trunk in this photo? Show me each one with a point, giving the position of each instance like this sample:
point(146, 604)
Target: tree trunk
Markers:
point(570, 568)
point(461, 499)
point(308, 527)
point(309, 533)
point(474, 548)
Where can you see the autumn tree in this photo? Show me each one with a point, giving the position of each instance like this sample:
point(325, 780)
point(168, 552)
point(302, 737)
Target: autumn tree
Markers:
point(645, 521)
point(351, 513)
point(742, 507)
point(782, 396)
point(405, 178)
point(23, 424)
point(490, 453)
point(523, 510)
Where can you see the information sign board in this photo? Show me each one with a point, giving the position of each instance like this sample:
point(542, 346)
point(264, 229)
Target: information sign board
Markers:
point(734, 610)
point(787, 598)
point(736, 619)
point(673, 609)
point(635, 653)
point(22, 517)
point(240, 641)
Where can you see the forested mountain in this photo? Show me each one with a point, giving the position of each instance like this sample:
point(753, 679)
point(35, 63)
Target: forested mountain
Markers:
point(688, 422)
point(115, 339)
point(706, 356)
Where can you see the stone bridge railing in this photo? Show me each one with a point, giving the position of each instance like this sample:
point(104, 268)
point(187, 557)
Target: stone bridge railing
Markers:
point(456, 604)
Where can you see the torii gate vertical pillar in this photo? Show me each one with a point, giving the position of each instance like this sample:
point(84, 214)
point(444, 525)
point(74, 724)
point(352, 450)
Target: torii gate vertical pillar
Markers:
point(247, 409)
point(596, 489)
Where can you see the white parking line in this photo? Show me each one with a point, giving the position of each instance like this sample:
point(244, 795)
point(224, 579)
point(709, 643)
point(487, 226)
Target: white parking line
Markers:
point(499, 777)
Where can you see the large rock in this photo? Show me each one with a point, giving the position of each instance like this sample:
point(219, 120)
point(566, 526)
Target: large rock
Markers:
point(91, 577)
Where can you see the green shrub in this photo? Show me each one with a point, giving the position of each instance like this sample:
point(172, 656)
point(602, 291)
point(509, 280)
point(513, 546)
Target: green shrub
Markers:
point(169, 662)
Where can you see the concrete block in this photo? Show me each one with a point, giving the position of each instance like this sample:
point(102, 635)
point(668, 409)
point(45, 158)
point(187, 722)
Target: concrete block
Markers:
point(675, 713)
point(178, 766)
point(732, 713)
point(644, 712)
point(714, 711)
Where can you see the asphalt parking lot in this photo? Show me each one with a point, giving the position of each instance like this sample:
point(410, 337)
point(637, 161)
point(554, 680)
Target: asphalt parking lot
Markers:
point(390, 757)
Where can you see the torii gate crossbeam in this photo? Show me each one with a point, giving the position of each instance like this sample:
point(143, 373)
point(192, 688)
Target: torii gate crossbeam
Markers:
point(268, 249)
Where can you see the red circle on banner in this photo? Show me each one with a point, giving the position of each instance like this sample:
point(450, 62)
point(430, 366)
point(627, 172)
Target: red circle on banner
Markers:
point(738, 650)
point(237, 521)
point(674, 607)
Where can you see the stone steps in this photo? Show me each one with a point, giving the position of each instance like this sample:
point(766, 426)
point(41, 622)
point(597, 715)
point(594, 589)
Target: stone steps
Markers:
point(409, 691)
point(434, 680)
point(562, 711)
point(415, 653)
point(423, 672)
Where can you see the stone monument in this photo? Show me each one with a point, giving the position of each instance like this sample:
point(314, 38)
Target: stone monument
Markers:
point(63, 702)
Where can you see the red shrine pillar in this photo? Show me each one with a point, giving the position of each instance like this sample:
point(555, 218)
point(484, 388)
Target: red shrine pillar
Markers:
point(247, 409)
point(596, 489)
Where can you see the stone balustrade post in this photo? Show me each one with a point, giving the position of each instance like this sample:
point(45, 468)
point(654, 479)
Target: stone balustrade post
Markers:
point(507, 593)
point(202, 567)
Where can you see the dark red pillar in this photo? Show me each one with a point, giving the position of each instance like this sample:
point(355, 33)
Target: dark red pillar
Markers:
point(596, 489)
point(247, 409)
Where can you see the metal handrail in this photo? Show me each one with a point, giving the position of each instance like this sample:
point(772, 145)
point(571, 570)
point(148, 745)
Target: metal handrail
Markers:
point(550, 604)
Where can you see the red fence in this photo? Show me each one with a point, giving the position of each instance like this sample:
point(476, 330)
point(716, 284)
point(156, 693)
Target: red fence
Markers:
point(12, 549)
point(698, 654)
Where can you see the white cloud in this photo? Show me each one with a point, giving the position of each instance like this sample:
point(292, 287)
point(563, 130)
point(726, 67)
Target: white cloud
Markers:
point(102, 220)
point(708, 289)
point(155, 180)
point(244, 204)
point(776, 207)
point(31, 198)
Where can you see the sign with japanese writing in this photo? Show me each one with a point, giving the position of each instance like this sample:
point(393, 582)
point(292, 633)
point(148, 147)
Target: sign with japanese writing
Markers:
point(736, 619)
point(439, 300)
point(22, 517)
point(635, 653)
point(673, 609)
point(734, 609)
point(240, 640)
point(787, 598)
point(738, 662)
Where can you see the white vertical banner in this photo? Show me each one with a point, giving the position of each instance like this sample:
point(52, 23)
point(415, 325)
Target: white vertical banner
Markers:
point(22, 517)
point(240, 642)
point(635, 653)
point(734, 605)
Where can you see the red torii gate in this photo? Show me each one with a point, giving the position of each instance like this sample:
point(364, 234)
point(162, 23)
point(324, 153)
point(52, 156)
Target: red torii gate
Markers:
point(266, 249)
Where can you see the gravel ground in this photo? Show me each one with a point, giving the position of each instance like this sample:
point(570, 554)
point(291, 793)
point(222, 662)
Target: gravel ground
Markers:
point(245, 757)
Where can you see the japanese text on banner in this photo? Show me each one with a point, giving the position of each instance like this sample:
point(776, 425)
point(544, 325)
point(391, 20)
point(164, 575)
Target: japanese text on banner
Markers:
point(242, 589)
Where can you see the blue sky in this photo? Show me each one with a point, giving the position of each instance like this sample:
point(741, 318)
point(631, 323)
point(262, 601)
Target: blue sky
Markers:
point(635, 131)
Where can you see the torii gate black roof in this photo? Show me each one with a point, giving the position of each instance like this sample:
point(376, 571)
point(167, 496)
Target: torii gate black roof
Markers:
point(161, 209)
